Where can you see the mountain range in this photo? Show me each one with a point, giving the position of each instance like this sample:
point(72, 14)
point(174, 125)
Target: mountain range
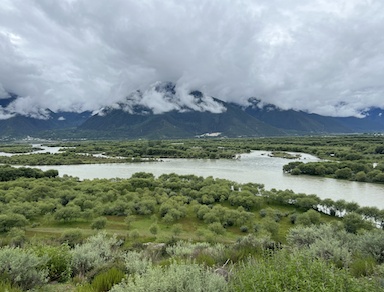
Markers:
point(198, 115)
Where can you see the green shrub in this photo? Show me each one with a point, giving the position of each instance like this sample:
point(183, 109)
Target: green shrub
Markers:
point(97, 250)
point(293, 218)
point(154, 228)
point(8, 221)
point(173, 278)
point(71, 237)
point(136, 262)
point(58, 261)
point(7, 287)
point(362, 266)
point(22, 267)
point(263, 213)
point(271, 226)
point(284, 271)
point(105, 281)
point(371, 244)
point(205, 259)
point(244, 229)
point(217, 228)
point(16, 237)
point(99, 223)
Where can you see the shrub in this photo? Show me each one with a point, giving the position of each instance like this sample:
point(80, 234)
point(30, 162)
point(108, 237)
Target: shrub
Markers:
point(99, 223)
point(271, 226)
point(185, 249)
point(134, 234)
point(371, 244)
point(175, 277)
point(293, 218)
point(58, 261)
point(217, 228)
point(303, 219)
point(284, 271)
point(7, 287)
point(333, 251)
point(313, 216)
point(353, 222)
point(105, 281)
point(177, 229)
point(97, 250)
point(362, 266)
point(8, 221)
point(136, 262)
point(154, 228)
point(244, 229)
point(71, 237)
point(22, 267)
point(17, 237)
point(68, 213)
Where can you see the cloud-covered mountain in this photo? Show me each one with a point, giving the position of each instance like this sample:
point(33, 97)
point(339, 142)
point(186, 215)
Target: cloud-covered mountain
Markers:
point(172, 114)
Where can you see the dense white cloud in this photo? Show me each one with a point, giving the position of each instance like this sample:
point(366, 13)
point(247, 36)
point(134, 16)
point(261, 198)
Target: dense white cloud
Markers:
point(324, 56)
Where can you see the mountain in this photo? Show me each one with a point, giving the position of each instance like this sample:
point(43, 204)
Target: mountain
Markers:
point(231, 122)
point(18, 125)
point(160, 113)
point(301, 122)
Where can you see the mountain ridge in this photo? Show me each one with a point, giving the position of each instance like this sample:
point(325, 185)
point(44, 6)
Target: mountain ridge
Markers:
point(190, 114)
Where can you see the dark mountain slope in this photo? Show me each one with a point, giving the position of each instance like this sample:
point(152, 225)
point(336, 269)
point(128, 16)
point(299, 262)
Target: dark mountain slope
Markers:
point(233, 123)
point(304, 123)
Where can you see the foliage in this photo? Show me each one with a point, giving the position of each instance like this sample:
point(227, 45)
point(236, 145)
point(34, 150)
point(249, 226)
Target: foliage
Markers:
point(286, 271)
point(22, 267)
point(99, 223)
point(58, 263)
point(105, 281)
point(184, 276)
point(97, 250)
point(8, 173)
point(71, 237)
point(8, 221)
point(136, 263)
point(7, 287)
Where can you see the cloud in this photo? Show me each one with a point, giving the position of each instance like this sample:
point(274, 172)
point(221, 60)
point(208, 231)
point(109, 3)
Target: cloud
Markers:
point(3, 93)
point(83, 55)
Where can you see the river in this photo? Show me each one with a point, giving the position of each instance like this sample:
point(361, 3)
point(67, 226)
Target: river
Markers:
point(256, 167)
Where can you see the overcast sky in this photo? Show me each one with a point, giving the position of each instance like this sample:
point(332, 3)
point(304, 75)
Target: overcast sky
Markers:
point(323, 56)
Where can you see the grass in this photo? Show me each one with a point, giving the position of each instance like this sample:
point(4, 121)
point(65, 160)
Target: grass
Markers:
point(191, 227)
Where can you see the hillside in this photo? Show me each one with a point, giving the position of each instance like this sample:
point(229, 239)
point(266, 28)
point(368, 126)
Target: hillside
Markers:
point(192, 115)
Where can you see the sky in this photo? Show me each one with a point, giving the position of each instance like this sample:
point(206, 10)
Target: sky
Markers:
point(320, 56)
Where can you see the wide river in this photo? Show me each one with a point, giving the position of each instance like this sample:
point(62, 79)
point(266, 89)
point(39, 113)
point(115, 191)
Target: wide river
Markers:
point(255, 167)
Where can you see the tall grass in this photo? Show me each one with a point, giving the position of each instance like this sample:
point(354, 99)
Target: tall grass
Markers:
point(285, 271)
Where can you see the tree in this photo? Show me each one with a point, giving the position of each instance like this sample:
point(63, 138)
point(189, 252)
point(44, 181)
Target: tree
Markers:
point(379, 178)
point(177, 229)
point(51, 173)
point(68, 213)
point(8, 221)
point(353, 222)
point(340, 205)
point(99, 223)
point(361, 176)
point(154, 229)
point(217, 228)
point(344, 173)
